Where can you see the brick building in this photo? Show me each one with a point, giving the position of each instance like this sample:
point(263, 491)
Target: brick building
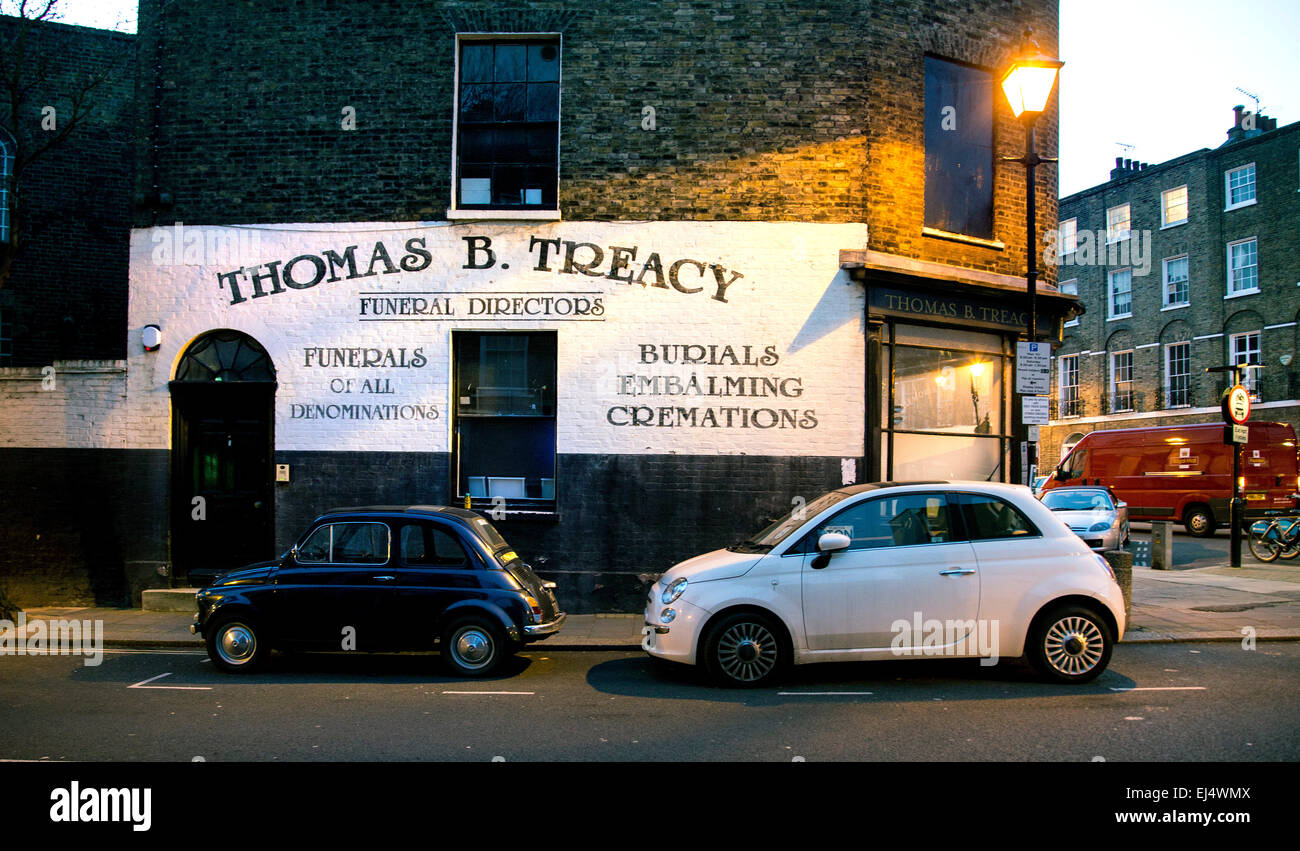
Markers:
point(635, 277)
point(63, 307)
point(1183, 265)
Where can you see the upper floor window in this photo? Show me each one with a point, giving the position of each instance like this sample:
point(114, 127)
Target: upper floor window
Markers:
point(1117, 223)
point(1175, 276)
point(1173, 206)
point(1069, 236)
point(1178, 375)
point(1121, 294)
point(1239, 187)
point(1243, 349)
point(1068, 384)
point(508, 124)
point(1121, 381)
point(1243, 266)
point(6, 169)
point(1070, 287)
point(958, 148)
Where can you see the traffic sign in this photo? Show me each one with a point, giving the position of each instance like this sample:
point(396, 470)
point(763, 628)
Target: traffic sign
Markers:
point(1034, 368)
point(1236, 405)
point(1034, 410)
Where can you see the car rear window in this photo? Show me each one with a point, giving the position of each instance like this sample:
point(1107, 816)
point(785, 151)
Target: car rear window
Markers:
point(990, 517)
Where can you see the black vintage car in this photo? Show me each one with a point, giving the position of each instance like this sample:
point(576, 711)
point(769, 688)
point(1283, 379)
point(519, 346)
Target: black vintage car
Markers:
point(383, 578)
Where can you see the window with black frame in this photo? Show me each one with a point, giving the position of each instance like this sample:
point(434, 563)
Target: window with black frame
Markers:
point(508, 121)
point(505, 418)
point(958, 148)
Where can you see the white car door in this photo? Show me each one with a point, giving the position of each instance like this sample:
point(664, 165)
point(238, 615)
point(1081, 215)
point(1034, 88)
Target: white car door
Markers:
point(902, 563)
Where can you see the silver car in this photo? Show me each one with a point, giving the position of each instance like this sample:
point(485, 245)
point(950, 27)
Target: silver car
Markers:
point(1093, 514)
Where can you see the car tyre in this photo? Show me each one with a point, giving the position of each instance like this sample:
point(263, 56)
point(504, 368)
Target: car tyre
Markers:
point(1198, 520)
point(236, 644)
point(746, 650)
point(1070, 644)
point(473, 647)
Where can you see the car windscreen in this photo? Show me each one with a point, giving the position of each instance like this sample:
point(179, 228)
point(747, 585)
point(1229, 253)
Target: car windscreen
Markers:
point(781, 528)
point(1063, 499)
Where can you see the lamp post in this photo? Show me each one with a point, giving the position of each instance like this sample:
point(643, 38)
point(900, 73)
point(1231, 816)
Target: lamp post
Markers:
point(1028, 85)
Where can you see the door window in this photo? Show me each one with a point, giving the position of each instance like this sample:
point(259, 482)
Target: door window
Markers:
point(426, 545)
point(988, 517)
point(896, 521)
point(346, 543)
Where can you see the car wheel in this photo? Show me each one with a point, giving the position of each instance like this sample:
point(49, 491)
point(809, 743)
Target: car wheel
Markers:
point(236, 645)
point(745, 650)
point(473, 647)
point(1198, 520)
point(1070, 645)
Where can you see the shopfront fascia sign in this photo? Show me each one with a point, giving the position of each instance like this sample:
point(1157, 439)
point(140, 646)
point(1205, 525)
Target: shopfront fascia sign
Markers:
point(946, 308)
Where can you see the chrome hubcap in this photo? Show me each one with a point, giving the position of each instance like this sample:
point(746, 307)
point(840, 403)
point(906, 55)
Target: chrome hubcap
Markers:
point(747, 652)
point(1074, 645)
point(237, 644)
point(473, 647)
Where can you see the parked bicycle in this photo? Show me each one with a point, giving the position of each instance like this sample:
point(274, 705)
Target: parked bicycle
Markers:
point(1276, 538)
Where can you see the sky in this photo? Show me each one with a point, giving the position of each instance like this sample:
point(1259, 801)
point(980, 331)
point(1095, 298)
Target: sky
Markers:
point(1159, 75)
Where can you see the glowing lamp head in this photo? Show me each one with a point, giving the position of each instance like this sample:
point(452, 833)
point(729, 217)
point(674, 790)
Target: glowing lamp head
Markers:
point(1028, 83)
point(977, 368)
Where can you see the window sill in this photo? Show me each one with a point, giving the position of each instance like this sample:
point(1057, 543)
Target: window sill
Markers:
point(1255, 291)
point(995, 244)
point(1120, 316)
point(517, 215)
point(1177, 224)
point(1238, 206)
point(1176, 306)
point(1117, 239)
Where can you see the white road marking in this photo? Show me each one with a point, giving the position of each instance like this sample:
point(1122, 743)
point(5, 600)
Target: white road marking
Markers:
point(1161, 688)
point(489, 692)
point(145, 684)
point(822, 693)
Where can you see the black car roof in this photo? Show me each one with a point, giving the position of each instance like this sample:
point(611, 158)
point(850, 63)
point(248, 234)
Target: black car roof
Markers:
point(431, 510)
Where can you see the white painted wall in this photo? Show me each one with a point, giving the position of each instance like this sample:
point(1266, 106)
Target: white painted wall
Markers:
point(64, 405)
point(792, 297)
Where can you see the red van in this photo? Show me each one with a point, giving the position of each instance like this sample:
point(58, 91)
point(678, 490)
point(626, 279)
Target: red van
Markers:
point(1184, 473)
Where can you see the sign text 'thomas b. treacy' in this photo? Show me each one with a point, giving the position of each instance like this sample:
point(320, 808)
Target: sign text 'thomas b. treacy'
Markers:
point(623, 264)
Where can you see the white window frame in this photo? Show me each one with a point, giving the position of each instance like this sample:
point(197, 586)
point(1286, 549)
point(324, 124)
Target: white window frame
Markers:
point(1110, 294)
point(1166, 222)
point(1061, 386)
point(1251, 377)
point(1114, 384)
point(1164, 283)
point(1232, 292)
point(1169, 376)
point(1227, 187)
point(455, 212)
point(1070, 287)
point(1070, 244)
point(1112, 234)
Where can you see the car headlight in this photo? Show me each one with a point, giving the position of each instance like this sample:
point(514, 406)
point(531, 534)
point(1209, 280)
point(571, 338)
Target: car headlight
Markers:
point(673, 591)
point(1105, 565)
point(1099, 527)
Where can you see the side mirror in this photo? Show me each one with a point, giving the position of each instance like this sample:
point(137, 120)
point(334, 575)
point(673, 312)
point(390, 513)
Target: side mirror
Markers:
point(828, 543)
point(833, 542)
point(1119, 505)
point(293, 552)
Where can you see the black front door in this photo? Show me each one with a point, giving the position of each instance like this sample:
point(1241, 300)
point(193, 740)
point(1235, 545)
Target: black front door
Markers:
point(222, 498)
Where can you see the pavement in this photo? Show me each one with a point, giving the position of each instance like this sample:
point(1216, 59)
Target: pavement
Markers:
point(1212, 603)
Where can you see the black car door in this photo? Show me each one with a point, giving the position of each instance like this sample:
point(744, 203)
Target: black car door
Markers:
point(433, 570)
point(327, 594)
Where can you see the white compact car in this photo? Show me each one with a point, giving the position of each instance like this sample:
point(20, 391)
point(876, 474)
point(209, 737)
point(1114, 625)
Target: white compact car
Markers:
point(894, 571)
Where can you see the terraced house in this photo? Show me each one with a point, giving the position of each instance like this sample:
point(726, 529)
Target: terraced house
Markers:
point(1183, 265)
point(636, 278)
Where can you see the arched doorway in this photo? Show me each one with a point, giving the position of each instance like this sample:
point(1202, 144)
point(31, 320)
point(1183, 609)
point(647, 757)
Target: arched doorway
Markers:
point(223, 405)
point(1074, 438)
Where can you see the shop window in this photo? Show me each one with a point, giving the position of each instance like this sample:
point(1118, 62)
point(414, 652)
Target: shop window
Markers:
point(508, 124)
point(505, 418)
point(958, 148)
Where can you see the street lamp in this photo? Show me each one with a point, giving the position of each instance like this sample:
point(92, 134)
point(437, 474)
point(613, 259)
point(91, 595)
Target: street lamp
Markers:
point(1028, 85)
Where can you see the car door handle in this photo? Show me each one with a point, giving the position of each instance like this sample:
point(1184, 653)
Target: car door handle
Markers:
point(385, 578)
point(957, 571)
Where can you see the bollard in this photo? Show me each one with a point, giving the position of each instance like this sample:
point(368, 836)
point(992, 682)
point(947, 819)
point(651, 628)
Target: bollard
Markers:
point(1162, 545)
point(1122, 563)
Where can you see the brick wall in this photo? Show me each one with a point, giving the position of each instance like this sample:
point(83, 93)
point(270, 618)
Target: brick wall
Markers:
point(66, 297)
